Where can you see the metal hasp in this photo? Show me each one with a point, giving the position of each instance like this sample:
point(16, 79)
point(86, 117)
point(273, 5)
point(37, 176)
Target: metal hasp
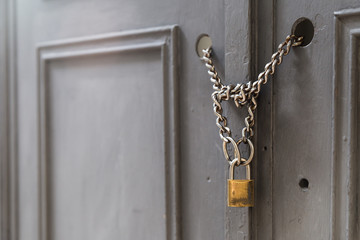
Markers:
point(240, 191)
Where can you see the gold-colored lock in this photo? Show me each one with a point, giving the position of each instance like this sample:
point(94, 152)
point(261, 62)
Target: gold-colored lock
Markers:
point(240, 191)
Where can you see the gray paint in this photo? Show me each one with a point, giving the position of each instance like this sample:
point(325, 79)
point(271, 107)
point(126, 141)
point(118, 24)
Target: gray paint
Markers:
point(4, 198)
point(306, 120)
point(8, 120)
point(346, 126)
point(44, 21)
point(303, 121)
point(238, 67)
point(80, 81)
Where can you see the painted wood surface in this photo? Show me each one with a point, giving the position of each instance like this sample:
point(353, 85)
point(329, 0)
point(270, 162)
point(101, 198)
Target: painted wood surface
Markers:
point(107, 129)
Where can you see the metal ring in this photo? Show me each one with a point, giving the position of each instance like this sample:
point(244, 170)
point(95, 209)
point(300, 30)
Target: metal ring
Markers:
point(297, 40)
point(243, 161)
point(236, 150)
point(243, 132)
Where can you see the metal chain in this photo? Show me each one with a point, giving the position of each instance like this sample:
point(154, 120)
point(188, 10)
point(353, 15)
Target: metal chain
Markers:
point(242, 94)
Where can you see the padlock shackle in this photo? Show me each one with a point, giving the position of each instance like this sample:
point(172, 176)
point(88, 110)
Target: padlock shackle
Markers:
point(234, 163)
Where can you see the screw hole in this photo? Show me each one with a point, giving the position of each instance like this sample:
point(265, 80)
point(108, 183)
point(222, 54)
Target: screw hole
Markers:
point(208, 179)
point(303, 27)
point(265, 148)
point(202, 42)
point(304, 184)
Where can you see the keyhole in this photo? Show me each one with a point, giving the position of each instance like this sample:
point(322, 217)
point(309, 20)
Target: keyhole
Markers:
point(304, 184)
point(305, 28)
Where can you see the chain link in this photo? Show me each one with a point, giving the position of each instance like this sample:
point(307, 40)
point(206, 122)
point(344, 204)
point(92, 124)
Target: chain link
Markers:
point(243, 94)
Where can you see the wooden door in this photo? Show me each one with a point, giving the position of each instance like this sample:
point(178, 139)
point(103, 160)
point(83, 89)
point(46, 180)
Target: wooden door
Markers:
point(107, 129)
point(310, 177)
point(95, 123)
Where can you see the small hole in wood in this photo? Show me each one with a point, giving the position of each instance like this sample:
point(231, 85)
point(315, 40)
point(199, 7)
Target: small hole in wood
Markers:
point(202, 42)
point(304, 184)
point(305, 28)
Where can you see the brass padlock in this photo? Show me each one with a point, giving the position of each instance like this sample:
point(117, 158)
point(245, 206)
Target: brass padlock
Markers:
point(240, 191)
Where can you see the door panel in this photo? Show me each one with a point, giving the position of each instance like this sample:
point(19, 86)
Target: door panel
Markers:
point(98, 178)
point(98, 121)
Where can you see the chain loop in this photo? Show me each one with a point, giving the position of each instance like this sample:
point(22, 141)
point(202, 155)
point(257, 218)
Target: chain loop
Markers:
point(243, 161)
point(237, 154)
point(242, 94)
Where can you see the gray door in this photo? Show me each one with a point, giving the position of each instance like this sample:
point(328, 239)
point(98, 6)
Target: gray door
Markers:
point(107, 129)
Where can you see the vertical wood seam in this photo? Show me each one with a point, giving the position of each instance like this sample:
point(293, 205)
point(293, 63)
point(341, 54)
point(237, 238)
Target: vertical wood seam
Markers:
point(11, 125)
point(272, 117)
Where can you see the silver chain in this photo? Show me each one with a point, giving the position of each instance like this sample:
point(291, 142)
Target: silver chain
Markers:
point(243, 94)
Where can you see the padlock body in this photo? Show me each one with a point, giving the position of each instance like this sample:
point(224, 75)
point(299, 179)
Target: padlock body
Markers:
point(240, 193)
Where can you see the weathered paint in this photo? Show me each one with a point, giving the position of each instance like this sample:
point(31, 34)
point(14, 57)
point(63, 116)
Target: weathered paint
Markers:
point(306, 120)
